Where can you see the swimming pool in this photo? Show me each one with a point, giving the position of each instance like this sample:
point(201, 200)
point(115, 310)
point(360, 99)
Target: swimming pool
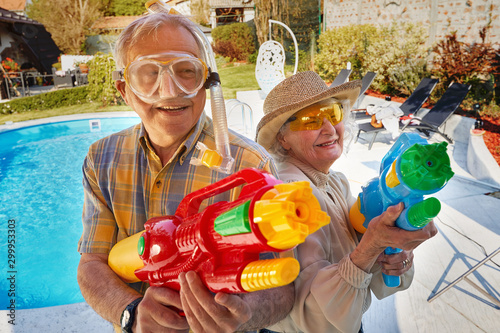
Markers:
point(41, 198)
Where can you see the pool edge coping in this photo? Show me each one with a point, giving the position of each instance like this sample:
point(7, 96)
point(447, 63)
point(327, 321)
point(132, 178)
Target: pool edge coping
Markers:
point(57, 119)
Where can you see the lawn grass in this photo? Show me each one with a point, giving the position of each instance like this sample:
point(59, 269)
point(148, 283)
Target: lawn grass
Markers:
point(62, 111)
point(233, 78)
point(237, 78)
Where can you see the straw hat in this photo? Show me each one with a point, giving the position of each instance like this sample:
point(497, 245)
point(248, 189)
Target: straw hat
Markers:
point(295, 93)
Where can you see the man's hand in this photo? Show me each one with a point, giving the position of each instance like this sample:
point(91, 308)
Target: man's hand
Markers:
point(109, 295)
point(155, 313)
point(206, 313)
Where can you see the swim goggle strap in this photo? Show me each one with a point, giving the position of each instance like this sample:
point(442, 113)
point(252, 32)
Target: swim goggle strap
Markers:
point(311, 118)
point(152, 79)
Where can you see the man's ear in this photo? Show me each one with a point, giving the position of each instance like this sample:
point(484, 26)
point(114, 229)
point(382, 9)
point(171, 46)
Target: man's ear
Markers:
point(120, 86)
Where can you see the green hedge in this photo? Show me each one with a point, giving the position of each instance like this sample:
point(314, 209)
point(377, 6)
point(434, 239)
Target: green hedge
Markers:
point(46, 101)
point(390, 51)
point(233, 40)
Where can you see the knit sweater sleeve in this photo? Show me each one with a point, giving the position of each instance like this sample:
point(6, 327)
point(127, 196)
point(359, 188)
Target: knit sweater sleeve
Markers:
point(331, 294)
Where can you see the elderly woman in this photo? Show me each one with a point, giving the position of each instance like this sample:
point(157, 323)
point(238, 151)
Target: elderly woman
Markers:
point(304, 128)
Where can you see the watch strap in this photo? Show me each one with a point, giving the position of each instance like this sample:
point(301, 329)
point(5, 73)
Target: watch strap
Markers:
point(128, 316)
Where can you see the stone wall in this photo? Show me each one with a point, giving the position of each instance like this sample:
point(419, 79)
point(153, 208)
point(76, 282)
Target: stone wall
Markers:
point(441, 17)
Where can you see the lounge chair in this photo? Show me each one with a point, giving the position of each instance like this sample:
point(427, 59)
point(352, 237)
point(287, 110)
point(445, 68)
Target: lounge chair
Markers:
point(366, 81)
point(435, 118)
point(412, 103)
point(439, 114)
point(341, 77)
point(63, 79)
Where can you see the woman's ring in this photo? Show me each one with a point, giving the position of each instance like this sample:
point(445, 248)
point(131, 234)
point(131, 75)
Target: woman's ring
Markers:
point(406, 262)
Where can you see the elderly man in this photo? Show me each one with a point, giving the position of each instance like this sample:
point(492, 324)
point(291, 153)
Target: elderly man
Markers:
point(144, 172)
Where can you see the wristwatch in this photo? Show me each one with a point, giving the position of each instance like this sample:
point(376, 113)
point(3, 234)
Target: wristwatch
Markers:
point(128, 316)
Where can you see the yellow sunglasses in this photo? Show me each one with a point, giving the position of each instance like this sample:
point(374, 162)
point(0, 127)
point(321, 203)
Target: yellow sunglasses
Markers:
point(311, 118)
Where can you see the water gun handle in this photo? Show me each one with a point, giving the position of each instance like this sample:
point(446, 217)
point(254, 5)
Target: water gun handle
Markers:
point(413, 218)
point(254, 178)
point(391, 280)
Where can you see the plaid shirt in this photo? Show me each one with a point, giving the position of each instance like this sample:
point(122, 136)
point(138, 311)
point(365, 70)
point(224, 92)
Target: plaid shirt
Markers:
point(125, 183)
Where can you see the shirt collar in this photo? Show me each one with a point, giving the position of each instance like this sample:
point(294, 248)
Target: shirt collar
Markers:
point(186, 147)
point(318, 178)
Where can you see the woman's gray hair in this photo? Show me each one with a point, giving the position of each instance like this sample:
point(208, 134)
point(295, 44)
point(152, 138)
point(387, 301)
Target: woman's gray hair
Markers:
point(280, 154)
point(145, 26)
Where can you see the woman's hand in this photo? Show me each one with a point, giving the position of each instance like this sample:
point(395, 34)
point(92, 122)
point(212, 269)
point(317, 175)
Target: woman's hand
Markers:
point(396, 264)
point(382, 233)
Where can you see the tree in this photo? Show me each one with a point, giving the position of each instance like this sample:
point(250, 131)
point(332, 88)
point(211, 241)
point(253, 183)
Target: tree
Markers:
point(200, 11)
point(126, 7)
point(265, 10)
point(67, 20)
point(300, 15)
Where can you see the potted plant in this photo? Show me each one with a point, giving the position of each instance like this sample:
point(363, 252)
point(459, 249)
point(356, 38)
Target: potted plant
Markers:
point(10, 65)
point(84, 68)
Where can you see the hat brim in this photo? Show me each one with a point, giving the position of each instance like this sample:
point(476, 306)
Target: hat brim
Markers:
point(270, 124)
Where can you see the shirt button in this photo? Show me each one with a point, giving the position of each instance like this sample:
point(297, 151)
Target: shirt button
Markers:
point(158, 184)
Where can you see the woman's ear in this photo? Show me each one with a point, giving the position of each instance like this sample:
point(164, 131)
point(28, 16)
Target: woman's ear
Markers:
point(281, 139)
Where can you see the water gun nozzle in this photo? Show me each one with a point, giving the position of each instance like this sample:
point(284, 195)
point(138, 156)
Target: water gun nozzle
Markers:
point(264, 274)
point(288, 213)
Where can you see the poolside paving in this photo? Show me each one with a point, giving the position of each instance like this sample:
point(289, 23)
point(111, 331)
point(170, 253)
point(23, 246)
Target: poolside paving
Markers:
point(469, 229)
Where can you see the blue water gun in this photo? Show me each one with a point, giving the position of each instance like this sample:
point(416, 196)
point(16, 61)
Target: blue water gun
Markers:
point(411, 169)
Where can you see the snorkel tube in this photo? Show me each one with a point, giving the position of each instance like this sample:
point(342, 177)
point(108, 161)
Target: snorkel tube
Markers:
point(221, 159)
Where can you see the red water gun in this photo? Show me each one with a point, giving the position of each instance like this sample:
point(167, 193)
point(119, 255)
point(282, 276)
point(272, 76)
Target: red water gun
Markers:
point(223, 242)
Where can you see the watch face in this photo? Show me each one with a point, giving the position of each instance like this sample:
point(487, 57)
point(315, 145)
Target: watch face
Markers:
point(125, 318)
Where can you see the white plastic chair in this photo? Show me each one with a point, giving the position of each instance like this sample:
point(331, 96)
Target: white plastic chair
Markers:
point(270, 68)
point(240, 117)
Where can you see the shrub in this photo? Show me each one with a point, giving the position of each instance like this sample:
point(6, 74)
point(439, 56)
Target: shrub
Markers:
point(229, 50)
point(472, 64)
point(233, 40)
point(390, 51)
point(50, 100)
point(101, 85)
point(407, 75)
point(220, 61)
point(343, 44)
point(252, 58)
point(398, 48)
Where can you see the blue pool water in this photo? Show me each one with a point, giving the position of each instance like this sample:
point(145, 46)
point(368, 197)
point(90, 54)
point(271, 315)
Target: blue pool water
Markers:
point(41, 200)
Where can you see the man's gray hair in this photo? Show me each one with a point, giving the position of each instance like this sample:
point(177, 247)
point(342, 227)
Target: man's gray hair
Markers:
point(145, 26)
point(280, 154)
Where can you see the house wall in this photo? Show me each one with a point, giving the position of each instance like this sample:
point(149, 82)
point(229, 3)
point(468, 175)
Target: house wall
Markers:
point(440, 17)
point(11, 48)
point(184, 8)
point(5, 39)
point(247, 6)
point(100, 43)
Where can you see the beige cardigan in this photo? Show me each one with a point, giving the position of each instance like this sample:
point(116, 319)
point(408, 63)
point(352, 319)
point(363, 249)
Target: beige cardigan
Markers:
point(331, 293)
